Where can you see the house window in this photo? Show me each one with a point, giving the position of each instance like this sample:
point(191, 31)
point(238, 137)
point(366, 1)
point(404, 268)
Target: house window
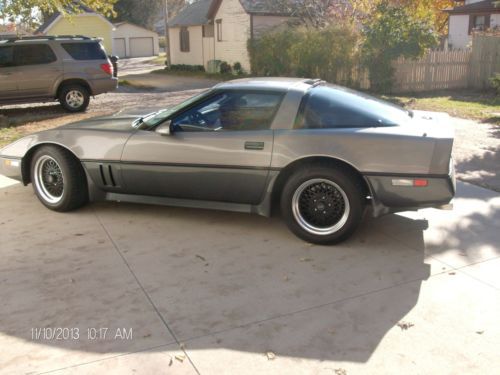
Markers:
point(479, 22)
point(208, 30)
point(219, 30)
point(184, 39)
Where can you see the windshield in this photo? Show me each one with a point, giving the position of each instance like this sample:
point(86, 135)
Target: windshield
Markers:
point(157, 118)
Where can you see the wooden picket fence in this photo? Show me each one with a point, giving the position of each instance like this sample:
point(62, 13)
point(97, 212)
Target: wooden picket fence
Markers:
point(485, 60)
point(438, 70)
point(442, 70)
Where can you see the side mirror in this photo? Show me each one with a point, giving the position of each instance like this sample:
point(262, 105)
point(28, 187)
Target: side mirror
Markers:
point(165, 128)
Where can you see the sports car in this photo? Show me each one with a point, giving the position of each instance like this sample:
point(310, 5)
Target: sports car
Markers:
point(320, 153)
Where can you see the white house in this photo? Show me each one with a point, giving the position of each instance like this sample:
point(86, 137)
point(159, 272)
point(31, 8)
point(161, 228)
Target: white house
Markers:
point(470, 16)
point(219, 30)
point(131, 40)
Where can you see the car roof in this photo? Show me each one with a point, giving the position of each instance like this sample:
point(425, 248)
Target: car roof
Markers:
point(268, 83)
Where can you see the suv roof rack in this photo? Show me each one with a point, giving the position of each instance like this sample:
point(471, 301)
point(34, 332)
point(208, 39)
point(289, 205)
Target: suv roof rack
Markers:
point(45, 37)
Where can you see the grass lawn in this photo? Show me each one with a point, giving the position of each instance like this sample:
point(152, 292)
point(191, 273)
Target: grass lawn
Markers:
point(9, 135)
point(477, 106)
point(127, 83)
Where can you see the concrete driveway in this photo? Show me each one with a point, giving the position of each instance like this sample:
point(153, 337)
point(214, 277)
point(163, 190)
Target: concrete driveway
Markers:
point(123, 288)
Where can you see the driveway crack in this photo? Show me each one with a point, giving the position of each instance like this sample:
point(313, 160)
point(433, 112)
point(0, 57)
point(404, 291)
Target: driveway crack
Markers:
point(146, 294)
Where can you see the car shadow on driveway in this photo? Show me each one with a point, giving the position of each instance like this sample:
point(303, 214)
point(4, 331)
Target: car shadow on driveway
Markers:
point(207, 279)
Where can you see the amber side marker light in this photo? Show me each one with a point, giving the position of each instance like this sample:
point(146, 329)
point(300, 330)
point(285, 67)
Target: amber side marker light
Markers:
point(11, 163)
point(417, 182)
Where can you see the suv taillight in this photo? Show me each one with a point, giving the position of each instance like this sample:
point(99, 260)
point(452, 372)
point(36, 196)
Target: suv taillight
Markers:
point(107, 68)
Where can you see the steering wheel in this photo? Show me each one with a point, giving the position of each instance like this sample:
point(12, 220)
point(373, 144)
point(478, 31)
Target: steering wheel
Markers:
point(197, 118)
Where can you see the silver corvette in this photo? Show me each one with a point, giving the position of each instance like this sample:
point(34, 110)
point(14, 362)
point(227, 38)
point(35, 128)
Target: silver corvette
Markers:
point(321, 153)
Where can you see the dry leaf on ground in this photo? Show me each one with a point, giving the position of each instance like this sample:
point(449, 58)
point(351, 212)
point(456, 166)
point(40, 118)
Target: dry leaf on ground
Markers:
point(405, 325)
point(270, 356)
point(180, 357)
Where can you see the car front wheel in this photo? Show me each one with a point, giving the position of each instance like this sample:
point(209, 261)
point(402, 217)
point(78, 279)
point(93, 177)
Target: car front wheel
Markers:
point(322, 205)
point(74, 98)
point(58, 179)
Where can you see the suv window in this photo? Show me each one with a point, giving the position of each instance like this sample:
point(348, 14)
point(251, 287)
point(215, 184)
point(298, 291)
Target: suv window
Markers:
point(85, 51)
point(330, 106)
point(33, 54)
point(232, 110)
point(6, 56)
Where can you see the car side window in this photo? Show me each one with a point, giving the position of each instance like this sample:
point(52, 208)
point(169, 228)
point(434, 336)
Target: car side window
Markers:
point(85, 51)
point(231, 111)
point(320, 112)
point(327, 107)
point(34, 54)
point(6, 56)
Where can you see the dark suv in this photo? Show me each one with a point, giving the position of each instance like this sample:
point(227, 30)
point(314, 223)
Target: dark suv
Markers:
point(65, 68)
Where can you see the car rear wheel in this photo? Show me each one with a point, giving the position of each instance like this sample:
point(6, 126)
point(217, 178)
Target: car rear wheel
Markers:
point(74, 98)
point(58, 179)
point(322, 205)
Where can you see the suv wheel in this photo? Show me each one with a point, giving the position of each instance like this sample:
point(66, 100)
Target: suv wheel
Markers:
point(322, 205)
point(74, 98)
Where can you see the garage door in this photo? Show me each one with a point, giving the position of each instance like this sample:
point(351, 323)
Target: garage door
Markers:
point(141, 47)
point(119, 47)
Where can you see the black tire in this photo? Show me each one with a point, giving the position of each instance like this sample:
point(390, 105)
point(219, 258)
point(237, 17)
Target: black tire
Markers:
point(74, 182)
point(304, 194)
point(79, 103)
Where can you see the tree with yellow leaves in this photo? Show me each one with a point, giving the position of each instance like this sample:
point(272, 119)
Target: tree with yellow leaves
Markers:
point(428, 10)
point(28, 11)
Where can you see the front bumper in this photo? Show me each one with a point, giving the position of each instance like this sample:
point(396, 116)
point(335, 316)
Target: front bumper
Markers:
point(11, 167)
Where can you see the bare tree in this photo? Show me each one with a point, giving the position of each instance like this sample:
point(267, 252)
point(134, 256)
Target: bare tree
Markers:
point(314, 13)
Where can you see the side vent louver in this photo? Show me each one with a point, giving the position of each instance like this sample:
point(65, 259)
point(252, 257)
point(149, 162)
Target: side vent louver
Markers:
point(111, 175)
point(107, 176)
point(102, 175)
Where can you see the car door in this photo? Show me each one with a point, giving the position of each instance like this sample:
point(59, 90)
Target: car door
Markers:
point(8, 79)
point(219, 150)
point(38, 69)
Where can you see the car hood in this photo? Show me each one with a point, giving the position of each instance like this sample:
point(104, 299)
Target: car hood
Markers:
point(80, 136)
point(119, 121)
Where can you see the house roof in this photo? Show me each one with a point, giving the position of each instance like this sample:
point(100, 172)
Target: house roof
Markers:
point(118, 24)
point(199, 12)
point(48, 23)
point(266, 7)
point(192, 14)
point(487, 6)
point(259, 7)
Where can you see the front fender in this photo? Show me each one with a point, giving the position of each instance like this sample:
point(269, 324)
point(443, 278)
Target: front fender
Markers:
point(19, 148)
point(84, 144)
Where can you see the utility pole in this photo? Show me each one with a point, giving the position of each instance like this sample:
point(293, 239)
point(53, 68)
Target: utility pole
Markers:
point(167, 40)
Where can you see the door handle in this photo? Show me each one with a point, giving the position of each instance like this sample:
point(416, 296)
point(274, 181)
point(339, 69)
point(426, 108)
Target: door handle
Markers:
point(254, 145)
